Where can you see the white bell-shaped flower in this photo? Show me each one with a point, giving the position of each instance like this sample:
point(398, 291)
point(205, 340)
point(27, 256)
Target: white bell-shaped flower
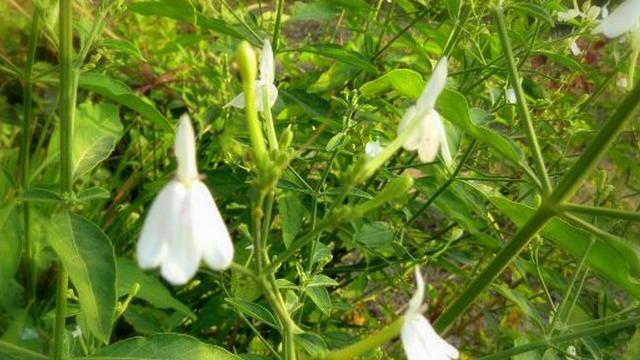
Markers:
point(372, 148)
point(184, 225)
point(430, 135)
point(419, 338)
point(624, 18)
point(264, 82)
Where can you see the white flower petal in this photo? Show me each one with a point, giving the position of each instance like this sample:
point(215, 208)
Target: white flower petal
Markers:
point(421, 342)
point(418, 297)
point(568, 15)
point(511, 96)
point(625, 17)
point(445, 151)
point(413, 141)
point(430, 137)
point(267, 63)
point(211, 233)
point(185, 150)
point(372, 148)
point(434, 86)
point(575, 49)
point(183, 256)
point(236, 102)
point(605, 11)
point(153, 242)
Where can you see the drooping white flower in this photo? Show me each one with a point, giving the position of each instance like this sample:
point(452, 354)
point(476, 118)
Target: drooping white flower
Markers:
point(575, 49)
point(511, 96)
point(419, 338)
point(430, 135)
point(624, 18)
point(264, 82)
point(184, 225)
point(372, 148)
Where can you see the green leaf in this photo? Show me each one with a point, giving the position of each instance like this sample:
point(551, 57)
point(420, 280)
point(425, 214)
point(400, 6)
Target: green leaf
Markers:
point(562, 60)
point(151, 289)
point(41, 195)
point(336, 141)
point(10, 246)
point(93, 193)
point(322, 280)
point(255, 311)
point(123, 46)
point(122, 94)
point(633, 347)
point(342, 54)
point(376, 235)
point(320, 297)
point(407, 82)
point(11, 352)
point(291, 215)
point(533, 10)
point(87, 255)
point(312, 11)
point(623, 271)
point(163, 347)
point(522, 302)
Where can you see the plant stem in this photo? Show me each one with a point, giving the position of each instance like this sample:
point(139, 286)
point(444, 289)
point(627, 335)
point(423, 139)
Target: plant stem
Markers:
point(25, 156)
point(368, 343)
point(271, 129)
point(67, 107)
point(276, 29)
point(523, 110)
point(601, 211)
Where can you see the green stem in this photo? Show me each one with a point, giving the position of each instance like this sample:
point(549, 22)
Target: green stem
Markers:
point(25, 163)
point(67, 107)
point(566, 188)
point(247, 64)
point(297, 245)
point(276, 29)
point(368, 343)
point(522, 107)
point(271, 129)
point(457, 30)
point(587, 331)
point(601, 211)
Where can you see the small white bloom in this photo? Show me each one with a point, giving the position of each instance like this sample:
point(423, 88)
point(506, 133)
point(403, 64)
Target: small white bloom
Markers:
point(571, 350)
point(76, 332)
point(564, 16)
point(419, 338)
point(183, 224)
point(373, 148)
point(511, 96)
point(624, 18)
point(264, 82)
point(430, 135)
point(575, 49)
point(622, 82)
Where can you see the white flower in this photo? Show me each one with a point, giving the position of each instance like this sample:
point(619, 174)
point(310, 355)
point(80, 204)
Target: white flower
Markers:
point(575, 49)
point(564, 16)
point(624, 18)
point(511, 96)
point(605, 10)
point(372, 149)
point(183, 224)
point(264, 83)
point(420, 340)
point(430, 134)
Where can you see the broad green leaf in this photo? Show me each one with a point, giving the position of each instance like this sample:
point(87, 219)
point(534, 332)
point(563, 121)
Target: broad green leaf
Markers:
point(291, 215)
point(162, 347)
point(314, 11)
point(123, 46)
point(87, 255)
point(407, 82)
point(41, 195)
point(11, 352)
point(342, 54)
point(312, 343)
point(322, 280)
point(10, 246)
point(616, 260)
point(320, 297)
point(312, 104)
point(93, 193)
point(377, 235)
point(335, 77)
point(255, 311)
point(119, 92)
point(151, 289)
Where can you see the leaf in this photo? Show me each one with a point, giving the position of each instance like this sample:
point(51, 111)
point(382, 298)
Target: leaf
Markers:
point(123, 46)
point(313, 344)
point(41, 195)
point(407, 82)
point(166, 346)
point(376, 235)
point(119, 92)
point(255, 311)
point(93, 193)
point(322, 280)
point(533, 10)
point(623, 271)
point(336, 141)
point(151, 289)
point(87, 255)
point(10, 246)
point(312, 104)
point(320, 297)
point(633, 347)
point(562, 60)
point(522, 302)
point(342, 54)
point(11, 352)
point(312, 11)
point(291, 215)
